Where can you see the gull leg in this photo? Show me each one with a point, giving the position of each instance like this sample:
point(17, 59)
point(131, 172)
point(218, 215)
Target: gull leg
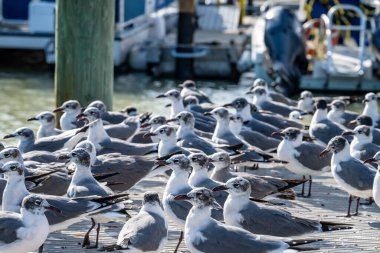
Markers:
point(179, 242)
point(303, 189)
point(41, 249)
point(97, 239)
point(86, 239)
point(349, 206)
point(357, 207)
point(310, 183)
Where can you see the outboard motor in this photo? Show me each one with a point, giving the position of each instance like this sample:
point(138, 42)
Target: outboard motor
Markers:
point(285, 44)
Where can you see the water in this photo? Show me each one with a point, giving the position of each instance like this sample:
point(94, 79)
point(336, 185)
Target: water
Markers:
point(25, 93)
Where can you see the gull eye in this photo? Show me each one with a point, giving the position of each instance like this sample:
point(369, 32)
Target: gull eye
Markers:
point(194, 159)
point(199, 194)
point(67, 106)
point(13, 167)
point(179, 117)
point(221, 159)
point(74, 154)
point(359, 132)
point(175, 161)
point(7, 155)
point(162, 131)
point(42, 117)
point(236, 185)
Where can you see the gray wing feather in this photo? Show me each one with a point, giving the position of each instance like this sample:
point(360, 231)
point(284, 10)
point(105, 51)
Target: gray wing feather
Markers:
point(227, 239)
point(9, 224)
point(275, 222)
point(144, 232)
point(193, 141)
point(309, 156)
point(326, 130)
point(357, 174)
point(259, 140)
point(368, 151)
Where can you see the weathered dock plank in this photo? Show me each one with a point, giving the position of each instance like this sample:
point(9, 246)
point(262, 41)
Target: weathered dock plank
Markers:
point(327, 203)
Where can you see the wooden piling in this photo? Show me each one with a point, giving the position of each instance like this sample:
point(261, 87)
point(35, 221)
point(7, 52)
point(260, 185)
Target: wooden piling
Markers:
point(185, 34)
point(84, 40)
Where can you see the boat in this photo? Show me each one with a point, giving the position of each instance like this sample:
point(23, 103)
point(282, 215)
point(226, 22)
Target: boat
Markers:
point(30, 25)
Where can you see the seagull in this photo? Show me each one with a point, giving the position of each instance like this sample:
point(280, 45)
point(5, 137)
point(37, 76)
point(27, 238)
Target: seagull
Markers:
point(105, 144)
point(306, 102)
point(240, 212)
point(126, 171)
point(145, 232)
point(27, 141)
point(176, 101)
point(302, 157)
point(361, 146)
point(154, 123)
point(371, 108)
point(28, 230)
point(199, 176)
point(350, 173)
point(72, 210)
point(273, 95)
point(321, 127)
point(70, 111)
point(126, 128)
point(224, 136)
point(47, 125)
point(366, 120)
point(260, 100)
point(340, 115)
point(108, 116)
point(254, 138)
point(189, 89)
point(83, 184)
point(204, 234)
point(376, 182)
point(177, 184)
point(192, 104)
point(262, 186)
point(186, 136)
point(54, 183)
point(168, 141)
point(249, 112)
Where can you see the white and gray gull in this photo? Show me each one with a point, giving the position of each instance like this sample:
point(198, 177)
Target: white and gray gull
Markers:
point(240, 212)
point(70, 111)
point(204, 234)
point(261, 186)
point(321, 127)
point(145, 232)
point(302, 157)
point(47, 124)
point(28, 230)
point(350, 173)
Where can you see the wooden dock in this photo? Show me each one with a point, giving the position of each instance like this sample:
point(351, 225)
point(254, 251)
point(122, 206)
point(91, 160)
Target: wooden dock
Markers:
point(327, 203)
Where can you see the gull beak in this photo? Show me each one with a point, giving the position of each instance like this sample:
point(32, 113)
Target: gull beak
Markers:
point(220, 188)
point(32, 118)
point(161, 96)
point(2, 171)
point(9, 136)
point(81, 116)
point(145, 125)
point(370, 160)
point(65, 158)
point(348, 133)
point(147, 135)
point(161, 162)
point(168, 105)
point(47, 206)
point(182, 197)
point(227, 105)
point(324, 152)
point(353, 123)
point(274, 134)
point(59, 109)
point(172, 120)
point(249, 92)
point(207, 114)
point(365, 101)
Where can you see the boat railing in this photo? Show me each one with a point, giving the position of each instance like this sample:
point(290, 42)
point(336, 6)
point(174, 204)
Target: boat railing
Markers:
point(331, 26)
